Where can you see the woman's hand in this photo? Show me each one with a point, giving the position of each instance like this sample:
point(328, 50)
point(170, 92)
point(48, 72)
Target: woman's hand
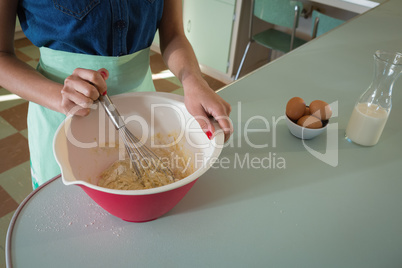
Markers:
point(81, 89)
point(203, 103)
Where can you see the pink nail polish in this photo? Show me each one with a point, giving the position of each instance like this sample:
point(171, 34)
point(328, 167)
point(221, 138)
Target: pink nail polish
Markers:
point(209, 134)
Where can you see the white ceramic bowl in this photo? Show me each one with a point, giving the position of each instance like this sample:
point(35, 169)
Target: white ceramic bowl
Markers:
point(81, 151)
point(302, 132)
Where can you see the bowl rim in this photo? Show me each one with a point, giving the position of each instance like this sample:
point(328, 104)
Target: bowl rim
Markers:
point(217, 141)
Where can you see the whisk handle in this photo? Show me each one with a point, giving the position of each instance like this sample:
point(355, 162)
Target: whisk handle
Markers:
point(111, 110)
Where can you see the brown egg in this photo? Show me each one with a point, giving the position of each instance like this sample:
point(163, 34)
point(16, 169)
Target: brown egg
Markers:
point(309, 121)
point(320, 109)
point(307, 111)
point(295, 108)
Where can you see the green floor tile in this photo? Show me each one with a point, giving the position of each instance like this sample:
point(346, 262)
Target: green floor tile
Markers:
point(4, 223)
point(5, 104)
point(2, 257)
point(24, 133)
point(32, 63)
point(6, 129)
point(17, 181)
point(31, 51)
point(178, 91)
point(175, 81)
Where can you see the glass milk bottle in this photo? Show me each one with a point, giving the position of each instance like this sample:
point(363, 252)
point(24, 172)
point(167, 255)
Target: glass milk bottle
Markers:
point(373, 107)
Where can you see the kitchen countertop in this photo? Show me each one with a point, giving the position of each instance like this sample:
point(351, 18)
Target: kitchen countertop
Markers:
point(356, 6)
point(272, 200)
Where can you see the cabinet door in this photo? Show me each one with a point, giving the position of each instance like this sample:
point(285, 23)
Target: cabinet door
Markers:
point(208, 26)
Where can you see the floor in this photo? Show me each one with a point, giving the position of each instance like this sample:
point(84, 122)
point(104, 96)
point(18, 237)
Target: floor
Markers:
point(15, 181)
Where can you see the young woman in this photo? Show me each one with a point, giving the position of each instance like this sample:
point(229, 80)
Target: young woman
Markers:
point(85, 43)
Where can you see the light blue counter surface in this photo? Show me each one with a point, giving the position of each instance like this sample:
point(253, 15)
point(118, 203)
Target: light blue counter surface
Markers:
point(356, 6)
point(322, 203)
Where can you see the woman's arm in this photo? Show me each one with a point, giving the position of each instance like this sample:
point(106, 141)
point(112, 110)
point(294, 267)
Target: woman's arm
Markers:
point(81, 88)
point(17, 76)
point(201, 101)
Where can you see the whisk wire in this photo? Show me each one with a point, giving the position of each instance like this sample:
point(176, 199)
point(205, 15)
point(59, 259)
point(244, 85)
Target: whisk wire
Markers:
point(134, 160)
point(136, 150)
point(144, 154)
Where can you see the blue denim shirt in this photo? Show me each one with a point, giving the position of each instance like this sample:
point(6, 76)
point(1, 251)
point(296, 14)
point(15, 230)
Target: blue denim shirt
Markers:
point(96, 27)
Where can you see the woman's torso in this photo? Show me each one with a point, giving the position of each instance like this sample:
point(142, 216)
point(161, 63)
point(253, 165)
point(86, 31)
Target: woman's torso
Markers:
point(96, 27)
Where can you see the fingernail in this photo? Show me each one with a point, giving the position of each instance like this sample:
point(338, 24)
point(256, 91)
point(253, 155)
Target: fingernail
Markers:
point(103, 74)
point(104, 93)
point(209, 134)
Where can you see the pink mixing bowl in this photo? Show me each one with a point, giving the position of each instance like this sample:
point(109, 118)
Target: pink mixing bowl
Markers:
point(82, 147)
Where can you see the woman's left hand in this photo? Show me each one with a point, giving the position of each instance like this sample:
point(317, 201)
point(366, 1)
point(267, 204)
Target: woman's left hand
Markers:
point(203, 103)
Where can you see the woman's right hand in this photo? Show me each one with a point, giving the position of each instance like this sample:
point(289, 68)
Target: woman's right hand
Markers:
point(81, 89)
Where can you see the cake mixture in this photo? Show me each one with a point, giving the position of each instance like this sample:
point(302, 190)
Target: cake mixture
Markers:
point(122, 176)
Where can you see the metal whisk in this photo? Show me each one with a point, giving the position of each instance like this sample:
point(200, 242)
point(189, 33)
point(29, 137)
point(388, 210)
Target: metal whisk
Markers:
point(142, 158)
